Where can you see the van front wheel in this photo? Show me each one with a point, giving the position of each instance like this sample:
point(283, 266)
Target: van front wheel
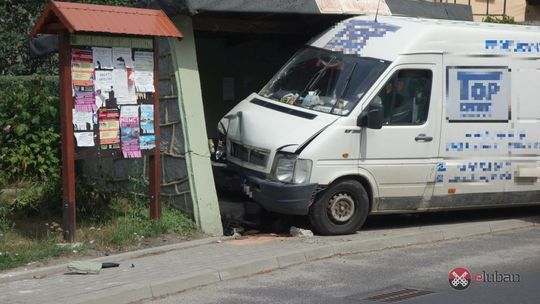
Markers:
point(341, 209)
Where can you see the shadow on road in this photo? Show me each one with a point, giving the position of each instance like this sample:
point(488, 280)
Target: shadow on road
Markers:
point(449, 217)
point(234, 214)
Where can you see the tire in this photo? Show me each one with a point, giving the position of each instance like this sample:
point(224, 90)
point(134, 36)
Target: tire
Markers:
point(341, 209)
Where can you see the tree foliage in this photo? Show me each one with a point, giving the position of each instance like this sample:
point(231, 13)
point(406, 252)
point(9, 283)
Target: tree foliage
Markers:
point(17, 17)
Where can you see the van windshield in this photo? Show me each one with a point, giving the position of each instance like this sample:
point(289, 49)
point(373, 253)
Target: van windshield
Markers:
point(324, 81)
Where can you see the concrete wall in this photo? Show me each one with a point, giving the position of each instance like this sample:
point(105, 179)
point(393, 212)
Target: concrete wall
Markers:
point(519, 9)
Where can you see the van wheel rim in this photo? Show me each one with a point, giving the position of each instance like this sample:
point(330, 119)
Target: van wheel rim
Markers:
point(341, 207)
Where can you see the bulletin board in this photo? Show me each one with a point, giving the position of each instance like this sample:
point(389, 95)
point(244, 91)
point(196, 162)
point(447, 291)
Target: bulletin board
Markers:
point(113, 96)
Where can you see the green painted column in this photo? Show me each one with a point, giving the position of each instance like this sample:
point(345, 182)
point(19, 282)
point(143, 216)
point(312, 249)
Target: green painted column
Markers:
point(199, 167)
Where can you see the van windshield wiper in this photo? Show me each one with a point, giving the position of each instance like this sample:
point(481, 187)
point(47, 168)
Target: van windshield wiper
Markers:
point(345, 87)
point(317, 76)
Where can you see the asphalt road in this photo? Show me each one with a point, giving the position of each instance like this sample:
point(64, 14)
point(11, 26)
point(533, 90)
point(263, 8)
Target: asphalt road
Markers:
point(352, 279)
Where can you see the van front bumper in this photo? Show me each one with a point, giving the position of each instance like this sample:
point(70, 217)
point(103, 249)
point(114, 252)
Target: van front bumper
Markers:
point(280, 197)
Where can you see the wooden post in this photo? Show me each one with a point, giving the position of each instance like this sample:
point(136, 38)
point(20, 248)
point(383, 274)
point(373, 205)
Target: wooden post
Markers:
point(68, 147)
point(154, 159)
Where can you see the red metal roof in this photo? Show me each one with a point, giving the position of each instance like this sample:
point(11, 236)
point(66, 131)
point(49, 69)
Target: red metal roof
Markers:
point(91, 18)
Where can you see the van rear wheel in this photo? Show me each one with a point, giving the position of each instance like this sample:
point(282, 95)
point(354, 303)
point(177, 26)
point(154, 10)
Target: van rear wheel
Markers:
point(341, 209)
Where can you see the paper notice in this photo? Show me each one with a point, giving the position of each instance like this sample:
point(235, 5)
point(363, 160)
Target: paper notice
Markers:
point(148, 142)
point(131, 97)
point(102, 58)
point(122, 58)
point(144, 61)
point(103, 81)
point(129, 131)
point(144, 81)
point(82, 67)
point(109, 128)
point(147, 119)
point(120, 82)
point(83, 121)
point(84, 101)
point(84, 139)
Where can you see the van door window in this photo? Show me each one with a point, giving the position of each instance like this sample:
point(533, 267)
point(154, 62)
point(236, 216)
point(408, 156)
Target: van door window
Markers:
point(405, 97)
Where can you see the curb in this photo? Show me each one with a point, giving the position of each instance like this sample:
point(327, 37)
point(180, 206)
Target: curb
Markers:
point(423, 235)
point(28, 274)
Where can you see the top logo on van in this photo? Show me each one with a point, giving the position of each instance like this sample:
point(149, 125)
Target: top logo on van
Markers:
point(475, 93)
point(513, 46)
point(354, 36)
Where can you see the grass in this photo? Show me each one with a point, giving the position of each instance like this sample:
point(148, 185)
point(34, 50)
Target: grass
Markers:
point(33, 240)
point(16, 250)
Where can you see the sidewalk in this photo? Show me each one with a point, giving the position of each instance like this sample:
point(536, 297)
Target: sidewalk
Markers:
point(158, 274)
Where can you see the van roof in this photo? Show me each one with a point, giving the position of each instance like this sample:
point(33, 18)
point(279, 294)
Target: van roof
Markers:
point(392, 36)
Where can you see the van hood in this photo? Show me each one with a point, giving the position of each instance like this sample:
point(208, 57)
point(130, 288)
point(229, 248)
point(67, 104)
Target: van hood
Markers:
point(268, 126)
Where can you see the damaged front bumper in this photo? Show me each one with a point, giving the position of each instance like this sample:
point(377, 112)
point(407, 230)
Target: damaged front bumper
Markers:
point(280, 197)
point(273, 196)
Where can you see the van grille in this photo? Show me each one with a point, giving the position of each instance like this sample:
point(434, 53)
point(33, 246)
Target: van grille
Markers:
point(253, 156)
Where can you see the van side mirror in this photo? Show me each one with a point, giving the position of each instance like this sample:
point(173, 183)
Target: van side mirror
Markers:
point(372, 117)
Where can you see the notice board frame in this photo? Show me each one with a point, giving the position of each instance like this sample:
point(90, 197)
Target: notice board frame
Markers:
point(68, 138)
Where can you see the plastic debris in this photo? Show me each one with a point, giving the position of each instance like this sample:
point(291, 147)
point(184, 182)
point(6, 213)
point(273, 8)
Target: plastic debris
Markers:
point(299, 232)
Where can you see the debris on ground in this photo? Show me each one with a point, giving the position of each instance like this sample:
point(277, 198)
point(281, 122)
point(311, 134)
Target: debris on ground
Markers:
point(239, 230)
point(88, 267)
point(299, 232)
point(109, 265)
point(70, 245)
point(258, 239)
point(252, 232)
point(38, 277)
point(84, 267)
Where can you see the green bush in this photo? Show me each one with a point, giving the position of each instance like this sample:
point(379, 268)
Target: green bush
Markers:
point(503, 19)
point(29, 128)
point(29, 146)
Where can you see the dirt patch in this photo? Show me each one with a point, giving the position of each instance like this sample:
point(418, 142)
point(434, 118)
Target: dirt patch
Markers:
point(259, 239)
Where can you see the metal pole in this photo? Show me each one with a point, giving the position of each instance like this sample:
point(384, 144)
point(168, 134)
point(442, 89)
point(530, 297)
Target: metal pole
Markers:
point(68, 145)
point(504, 8)
point(154, 159)
point(487, 8)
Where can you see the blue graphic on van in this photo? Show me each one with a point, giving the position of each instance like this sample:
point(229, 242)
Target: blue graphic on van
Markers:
point(490, 141)
point(477, 90)
point(513, 46)
point(483, 171)
point(353, 38)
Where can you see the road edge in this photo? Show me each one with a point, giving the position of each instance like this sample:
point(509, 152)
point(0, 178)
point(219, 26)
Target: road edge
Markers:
point(428, 234)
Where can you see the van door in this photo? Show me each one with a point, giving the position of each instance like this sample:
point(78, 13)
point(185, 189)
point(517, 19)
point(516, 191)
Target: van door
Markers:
point(402, 155)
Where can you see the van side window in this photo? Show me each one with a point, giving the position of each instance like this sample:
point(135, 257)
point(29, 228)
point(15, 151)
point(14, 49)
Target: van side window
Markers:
point(405, 97)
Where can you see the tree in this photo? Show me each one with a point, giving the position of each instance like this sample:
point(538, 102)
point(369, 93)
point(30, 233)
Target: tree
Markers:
point(17, 17)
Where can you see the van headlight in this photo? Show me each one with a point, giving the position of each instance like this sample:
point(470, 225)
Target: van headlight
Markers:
point(290, 169)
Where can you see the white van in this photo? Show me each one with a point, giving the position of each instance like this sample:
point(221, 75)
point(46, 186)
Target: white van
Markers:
point(396, 115)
